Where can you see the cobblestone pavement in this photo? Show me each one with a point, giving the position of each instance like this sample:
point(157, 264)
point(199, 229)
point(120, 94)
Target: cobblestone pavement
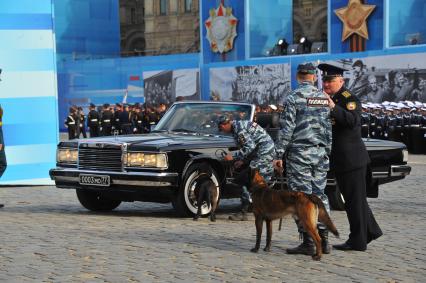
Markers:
point(46, 236)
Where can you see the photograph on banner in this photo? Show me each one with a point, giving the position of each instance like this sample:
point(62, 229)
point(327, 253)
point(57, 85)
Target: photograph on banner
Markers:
point(167, 86)
point(260, 84)
point(392, 78)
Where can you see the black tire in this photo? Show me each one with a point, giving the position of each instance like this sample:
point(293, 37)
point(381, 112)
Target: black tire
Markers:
point(95, 201)
point(185, 202)
point(335, 198)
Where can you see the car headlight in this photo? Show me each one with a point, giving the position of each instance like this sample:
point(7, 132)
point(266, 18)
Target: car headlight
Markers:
point(141, 159)
point(67, 155)
point(405, 155)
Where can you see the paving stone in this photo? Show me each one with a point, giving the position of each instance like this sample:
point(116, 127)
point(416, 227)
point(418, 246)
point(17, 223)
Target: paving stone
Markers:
point(46, 236)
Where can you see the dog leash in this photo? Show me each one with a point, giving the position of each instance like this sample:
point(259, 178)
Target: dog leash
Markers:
point(280, 174)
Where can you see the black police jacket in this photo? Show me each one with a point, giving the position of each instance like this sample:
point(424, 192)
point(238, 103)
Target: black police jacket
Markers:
point(348, 151)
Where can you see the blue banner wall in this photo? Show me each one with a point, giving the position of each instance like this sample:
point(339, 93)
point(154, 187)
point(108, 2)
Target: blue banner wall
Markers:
point(28, 92)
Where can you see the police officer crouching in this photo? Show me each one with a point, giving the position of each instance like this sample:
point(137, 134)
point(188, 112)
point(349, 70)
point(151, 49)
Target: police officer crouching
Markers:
point(349, 159)
point(255, 147)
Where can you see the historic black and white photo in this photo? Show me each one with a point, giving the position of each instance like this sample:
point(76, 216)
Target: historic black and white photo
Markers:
point(261, 84)
point(386, 78)
point(166, 85)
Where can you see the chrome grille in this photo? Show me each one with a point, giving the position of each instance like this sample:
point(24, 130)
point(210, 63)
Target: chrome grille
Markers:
point(100, 157)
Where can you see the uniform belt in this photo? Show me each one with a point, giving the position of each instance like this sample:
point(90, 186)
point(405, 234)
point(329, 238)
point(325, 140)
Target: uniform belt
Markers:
point(93, 120)
point(107, 121)
point(71, 123)
point(415, 125)
point(152, 123)
point(139, 122)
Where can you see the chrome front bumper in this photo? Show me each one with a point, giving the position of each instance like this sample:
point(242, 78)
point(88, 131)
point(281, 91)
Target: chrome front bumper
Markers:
point(67, 177)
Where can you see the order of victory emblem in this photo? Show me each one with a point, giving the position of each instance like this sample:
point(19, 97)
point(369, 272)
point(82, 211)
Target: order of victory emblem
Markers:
point(221, 29)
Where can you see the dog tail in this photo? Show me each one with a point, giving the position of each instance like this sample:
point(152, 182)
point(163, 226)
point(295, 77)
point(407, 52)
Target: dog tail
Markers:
point(323, 215)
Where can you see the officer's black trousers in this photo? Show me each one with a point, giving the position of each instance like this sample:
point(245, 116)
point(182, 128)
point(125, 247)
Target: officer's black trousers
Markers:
point(94, 131)
point(363, 226)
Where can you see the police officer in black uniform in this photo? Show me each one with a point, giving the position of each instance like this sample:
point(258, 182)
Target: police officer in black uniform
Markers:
point(124, 121)
point(106, 121)
point(116, 118)
point(365, 122)
point(81, 122)
point(3, 162)
point(349, 159)
point(71, 123)
point(93, 121)
point(138, 120)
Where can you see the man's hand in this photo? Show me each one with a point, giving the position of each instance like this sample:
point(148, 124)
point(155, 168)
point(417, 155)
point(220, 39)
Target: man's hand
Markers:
point(1, 146)
point(278, 165)
point(331, 103)
point(228, 157)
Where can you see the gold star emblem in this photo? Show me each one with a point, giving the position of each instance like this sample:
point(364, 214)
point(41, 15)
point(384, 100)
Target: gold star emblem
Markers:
point(354, 18)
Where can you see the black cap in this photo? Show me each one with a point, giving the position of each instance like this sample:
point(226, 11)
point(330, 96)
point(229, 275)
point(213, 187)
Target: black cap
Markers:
point(92, 105)
point(106, 105)
point(307, 68)
point(330, 71)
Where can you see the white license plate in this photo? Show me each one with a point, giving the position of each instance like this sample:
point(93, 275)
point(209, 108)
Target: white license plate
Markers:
point(95, 180)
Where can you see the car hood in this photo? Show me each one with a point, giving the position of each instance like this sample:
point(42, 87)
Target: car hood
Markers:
point(165, 141)
point(375, 144)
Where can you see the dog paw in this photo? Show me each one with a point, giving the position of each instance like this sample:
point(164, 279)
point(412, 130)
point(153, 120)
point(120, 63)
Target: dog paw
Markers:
point(195, 218)
point(254, 250)
point(316, 257)
point(213, 218)
point(267, 249)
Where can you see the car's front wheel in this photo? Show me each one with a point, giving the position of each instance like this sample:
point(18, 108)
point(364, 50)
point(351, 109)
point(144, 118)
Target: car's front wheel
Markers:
point(185, 201)
point(95, 201)
point(335, 197)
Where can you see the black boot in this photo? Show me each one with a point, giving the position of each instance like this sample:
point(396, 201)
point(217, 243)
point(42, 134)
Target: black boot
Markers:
point(240, 216)
point(324, 241)
point(305, 248)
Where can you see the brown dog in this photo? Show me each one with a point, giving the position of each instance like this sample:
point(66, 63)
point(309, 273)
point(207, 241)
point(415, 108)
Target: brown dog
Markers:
point(270, 204)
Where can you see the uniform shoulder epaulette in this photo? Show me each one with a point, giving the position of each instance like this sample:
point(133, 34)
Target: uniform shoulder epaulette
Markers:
point(346, 94)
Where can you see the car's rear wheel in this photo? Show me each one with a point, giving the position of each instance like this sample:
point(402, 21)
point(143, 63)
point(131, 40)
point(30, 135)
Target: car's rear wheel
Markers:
point(185, 201)
point(95, 201)
point(335, 197)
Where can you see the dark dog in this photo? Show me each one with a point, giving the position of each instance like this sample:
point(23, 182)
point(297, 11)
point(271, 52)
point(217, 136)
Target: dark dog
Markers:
point(270, 204)
point(206, 191)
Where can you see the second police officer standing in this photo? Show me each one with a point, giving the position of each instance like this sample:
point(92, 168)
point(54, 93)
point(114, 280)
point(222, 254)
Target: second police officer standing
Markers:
point(349, 159)
point(305, 141)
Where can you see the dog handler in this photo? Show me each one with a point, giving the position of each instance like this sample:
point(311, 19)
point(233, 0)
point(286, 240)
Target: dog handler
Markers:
point(349, 159)
point(255, 146)
point(305, 142)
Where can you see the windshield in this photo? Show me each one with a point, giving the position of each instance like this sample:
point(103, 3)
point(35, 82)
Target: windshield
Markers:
point(201, 118)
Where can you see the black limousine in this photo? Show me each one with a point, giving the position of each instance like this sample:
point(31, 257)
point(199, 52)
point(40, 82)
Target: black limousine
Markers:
point(162, 166)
